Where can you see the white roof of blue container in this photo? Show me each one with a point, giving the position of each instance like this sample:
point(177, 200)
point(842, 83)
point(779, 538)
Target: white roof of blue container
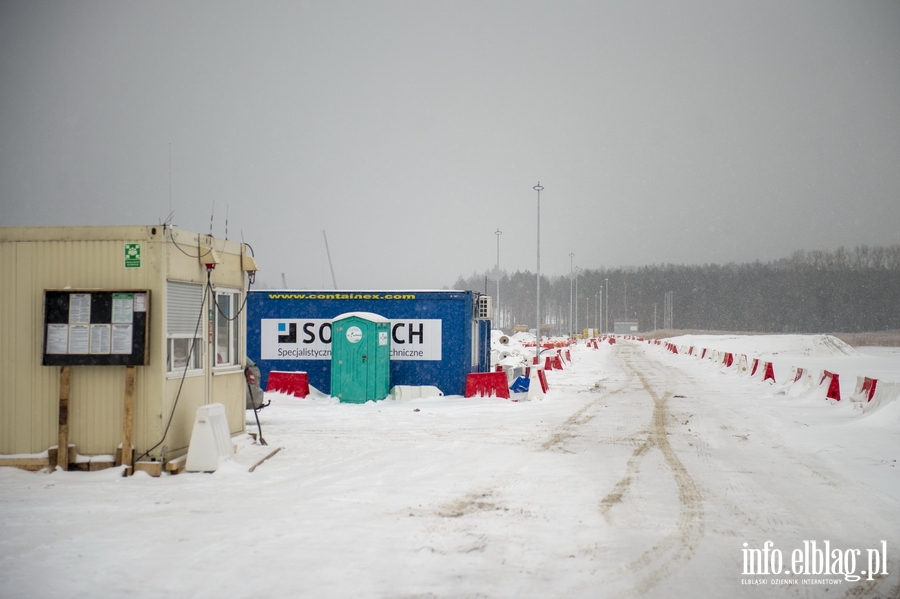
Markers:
point(332, 291)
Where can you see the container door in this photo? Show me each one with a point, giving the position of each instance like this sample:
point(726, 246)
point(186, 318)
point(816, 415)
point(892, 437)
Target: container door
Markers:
point(353, 367)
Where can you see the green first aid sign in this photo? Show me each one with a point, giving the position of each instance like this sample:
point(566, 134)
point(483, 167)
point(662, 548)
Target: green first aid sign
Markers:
point(132, 255)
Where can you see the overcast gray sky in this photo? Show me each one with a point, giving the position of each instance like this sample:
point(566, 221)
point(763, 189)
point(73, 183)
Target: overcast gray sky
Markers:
point(681, 132)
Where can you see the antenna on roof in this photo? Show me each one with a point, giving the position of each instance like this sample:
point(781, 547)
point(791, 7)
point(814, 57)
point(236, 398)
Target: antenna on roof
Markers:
point(226, 222)
point(327, 251)
point(211, 218)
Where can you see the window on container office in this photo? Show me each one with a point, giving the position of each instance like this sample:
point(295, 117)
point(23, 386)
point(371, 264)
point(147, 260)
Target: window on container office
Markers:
point(227, 333)
point(184, 339)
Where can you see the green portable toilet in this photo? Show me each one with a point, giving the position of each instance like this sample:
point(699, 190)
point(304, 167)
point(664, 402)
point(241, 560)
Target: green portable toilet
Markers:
point(360, 357)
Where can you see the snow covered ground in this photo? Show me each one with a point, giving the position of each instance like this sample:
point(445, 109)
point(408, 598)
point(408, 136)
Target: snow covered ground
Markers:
point(642, 474)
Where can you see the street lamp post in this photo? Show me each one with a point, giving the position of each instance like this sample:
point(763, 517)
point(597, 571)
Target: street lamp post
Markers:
point(537, 346)
point(498, 233)
point(600, 313)
point(587, 312)
point(571, 271)
point(606, 320)
point(576, 299)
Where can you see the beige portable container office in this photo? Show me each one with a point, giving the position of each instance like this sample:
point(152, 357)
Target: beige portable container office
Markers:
point(195, 287)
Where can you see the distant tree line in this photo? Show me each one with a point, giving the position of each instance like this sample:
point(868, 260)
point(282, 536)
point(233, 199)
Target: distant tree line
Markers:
point(844, 290)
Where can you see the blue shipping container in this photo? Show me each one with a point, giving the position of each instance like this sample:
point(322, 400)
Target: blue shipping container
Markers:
point(435, 337)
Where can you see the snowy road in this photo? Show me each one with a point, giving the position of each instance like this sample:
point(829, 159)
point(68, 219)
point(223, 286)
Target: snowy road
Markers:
point(643, 474)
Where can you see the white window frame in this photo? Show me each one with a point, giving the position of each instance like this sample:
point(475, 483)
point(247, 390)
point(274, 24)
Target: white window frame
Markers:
point(175, 368)
point(184, 305)
point(227, 322)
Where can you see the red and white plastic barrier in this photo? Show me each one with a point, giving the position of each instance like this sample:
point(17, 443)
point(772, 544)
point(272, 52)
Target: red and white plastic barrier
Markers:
point(769, 372)
point(871, 392)
point(487, 384)
point(834, 385)
point(762, 370)
point(865, 389)
point(292, 383)
point(557, 362)
point(537, 384)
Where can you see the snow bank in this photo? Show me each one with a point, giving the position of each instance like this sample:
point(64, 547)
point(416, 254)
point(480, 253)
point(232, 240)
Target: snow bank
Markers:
point(814, 354)
point(770, 346)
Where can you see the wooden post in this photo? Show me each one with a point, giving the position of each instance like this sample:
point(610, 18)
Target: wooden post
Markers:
point(62, 450)
point(128, 420)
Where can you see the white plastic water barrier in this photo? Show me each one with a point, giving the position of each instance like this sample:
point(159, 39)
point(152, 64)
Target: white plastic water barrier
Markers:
point(210, 439)
point(406, 392)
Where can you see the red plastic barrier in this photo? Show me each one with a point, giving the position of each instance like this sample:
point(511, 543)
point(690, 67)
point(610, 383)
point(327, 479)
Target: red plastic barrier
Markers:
point(769, 373)
point(729, 359)
point(548, 363)
point(754, 367)
point(868, 387)
point(294, 383)
point(542, 376)
point(834, 385)
point(612, 340)
point(557, 363)
point(486, 384)
point(798, 375)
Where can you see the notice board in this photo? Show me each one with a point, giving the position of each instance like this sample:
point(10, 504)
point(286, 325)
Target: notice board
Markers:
point(96, 327)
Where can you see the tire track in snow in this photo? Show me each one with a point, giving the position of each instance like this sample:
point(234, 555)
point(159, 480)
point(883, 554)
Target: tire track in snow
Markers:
point(582, 416)
point(458, 524)
point(663, 558)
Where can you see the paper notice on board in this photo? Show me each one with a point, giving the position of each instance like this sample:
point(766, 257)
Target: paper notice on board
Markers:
point(140, 302)
point(57, 338)
point(100, 338)
point(79, 338)
point(80, 308)
point(121, 338)
point(122, 308)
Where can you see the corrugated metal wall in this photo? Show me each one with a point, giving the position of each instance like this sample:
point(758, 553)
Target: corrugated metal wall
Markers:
point(35, 259)
point(96, 395)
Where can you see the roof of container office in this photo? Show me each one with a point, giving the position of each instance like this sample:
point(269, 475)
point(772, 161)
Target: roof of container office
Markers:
point(361, 290)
